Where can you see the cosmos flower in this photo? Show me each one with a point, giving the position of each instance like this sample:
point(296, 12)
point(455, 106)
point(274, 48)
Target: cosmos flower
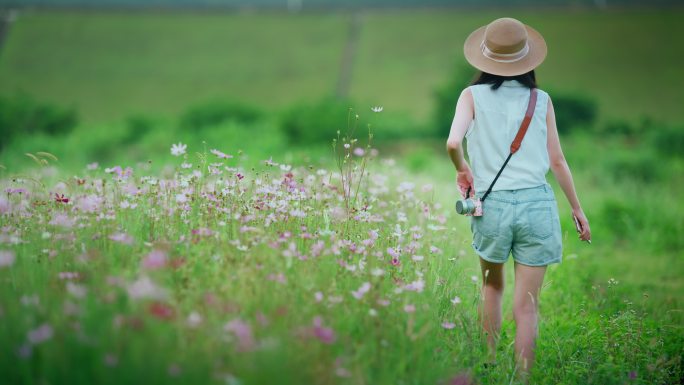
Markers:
point(7, 258)
point(60, 198)
point(144, 288)
point(156, 259)
point(122, 238)
point(361, 291)
point(220, 155)
point(324, 334)
point(242, 332)
point(41, 334)
point(178, 149)
point(448, 325)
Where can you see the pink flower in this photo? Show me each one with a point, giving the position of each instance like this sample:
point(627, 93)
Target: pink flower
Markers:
point(156, 259)
point(220, 155)
point(416, 286)
point(161, 310)
point(461, 379)
point(62, 220)
point(324, 334)
point(365, 287)
point(4, 205)
point(448, 325)
point(280, 278)
point(243, 332)
point(41, 334)
point(111, 360)
point(89, 204)
point(409, 308)
point(122, 238)
point(7, 258)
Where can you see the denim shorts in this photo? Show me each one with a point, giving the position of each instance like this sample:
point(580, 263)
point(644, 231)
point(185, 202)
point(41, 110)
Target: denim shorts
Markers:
point(521, 222)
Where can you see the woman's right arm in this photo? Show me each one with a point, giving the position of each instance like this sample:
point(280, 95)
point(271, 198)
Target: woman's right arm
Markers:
point(561, 171)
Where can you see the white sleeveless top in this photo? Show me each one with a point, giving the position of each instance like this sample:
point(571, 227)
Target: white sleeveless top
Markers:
point(498, 115)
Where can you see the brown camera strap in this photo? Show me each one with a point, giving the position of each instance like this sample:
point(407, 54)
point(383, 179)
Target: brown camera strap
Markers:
point(515, 146)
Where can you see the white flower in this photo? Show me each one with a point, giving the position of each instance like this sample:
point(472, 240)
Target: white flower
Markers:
point(456, 300)
point(194, 319)
point(376, 109)
point(178, 149)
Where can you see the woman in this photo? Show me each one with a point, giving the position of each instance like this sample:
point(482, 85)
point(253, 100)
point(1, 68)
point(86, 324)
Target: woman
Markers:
point(520, 214)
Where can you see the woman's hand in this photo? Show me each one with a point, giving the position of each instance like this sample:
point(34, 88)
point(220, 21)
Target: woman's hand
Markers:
point(583, 225)
point(464, 179)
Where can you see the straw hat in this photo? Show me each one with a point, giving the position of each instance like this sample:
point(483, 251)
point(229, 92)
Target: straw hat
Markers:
point(505, 47)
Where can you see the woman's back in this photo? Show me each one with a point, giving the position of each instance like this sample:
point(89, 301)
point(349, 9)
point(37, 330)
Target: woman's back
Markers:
point(498, 115)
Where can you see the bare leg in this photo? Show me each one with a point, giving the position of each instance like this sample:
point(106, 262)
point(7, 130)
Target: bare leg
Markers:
point(489, 308)
point(528, 281)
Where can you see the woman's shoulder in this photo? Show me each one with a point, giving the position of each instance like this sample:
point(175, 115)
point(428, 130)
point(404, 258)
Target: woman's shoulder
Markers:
point(543, 93)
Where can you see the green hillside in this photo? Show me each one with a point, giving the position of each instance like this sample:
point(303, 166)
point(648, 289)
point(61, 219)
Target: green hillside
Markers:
point(113, 64)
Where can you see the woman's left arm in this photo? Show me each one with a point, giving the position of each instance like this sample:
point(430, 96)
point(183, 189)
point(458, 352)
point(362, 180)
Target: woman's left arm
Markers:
point(462, 118)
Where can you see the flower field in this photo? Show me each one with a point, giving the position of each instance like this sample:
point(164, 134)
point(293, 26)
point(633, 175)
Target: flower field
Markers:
point(211, 272)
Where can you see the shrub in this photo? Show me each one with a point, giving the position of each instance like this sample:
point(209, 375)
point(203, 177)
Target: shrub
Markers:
point(316, 123)
point(668, 139)
point(638, 166)
point(319, 122)
point(619, 127)
point(23, 115)
point(446, 98)
point(573, 111)
point(137, 127)
point(216, 112)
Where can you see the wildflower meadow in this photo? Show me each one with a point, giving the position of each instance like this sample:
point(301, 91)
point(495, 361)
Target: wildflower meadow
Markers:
point(177, 205)
point(211, 272)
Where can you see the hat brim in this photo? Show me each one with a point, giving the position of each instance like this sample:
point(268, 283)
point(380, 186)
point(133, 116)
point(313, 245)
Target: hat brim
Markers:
point(535, 56)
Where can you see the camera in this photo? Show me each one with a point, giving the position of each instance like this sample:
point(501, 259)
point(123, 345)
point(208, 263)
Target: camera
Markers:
point(469, 207)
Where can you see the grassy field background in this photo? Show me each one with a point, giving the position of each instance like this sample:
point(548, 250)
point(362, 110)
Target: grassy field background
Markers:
point(113, 64)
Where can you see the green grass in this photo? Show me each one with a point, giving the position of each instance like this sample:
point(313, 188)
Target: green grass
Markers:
point(113, 64)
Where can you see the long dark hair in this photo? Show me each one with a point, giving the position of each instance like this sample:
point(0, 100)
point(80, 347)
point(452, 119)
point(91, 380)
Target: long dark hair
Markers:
point(528, 79)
